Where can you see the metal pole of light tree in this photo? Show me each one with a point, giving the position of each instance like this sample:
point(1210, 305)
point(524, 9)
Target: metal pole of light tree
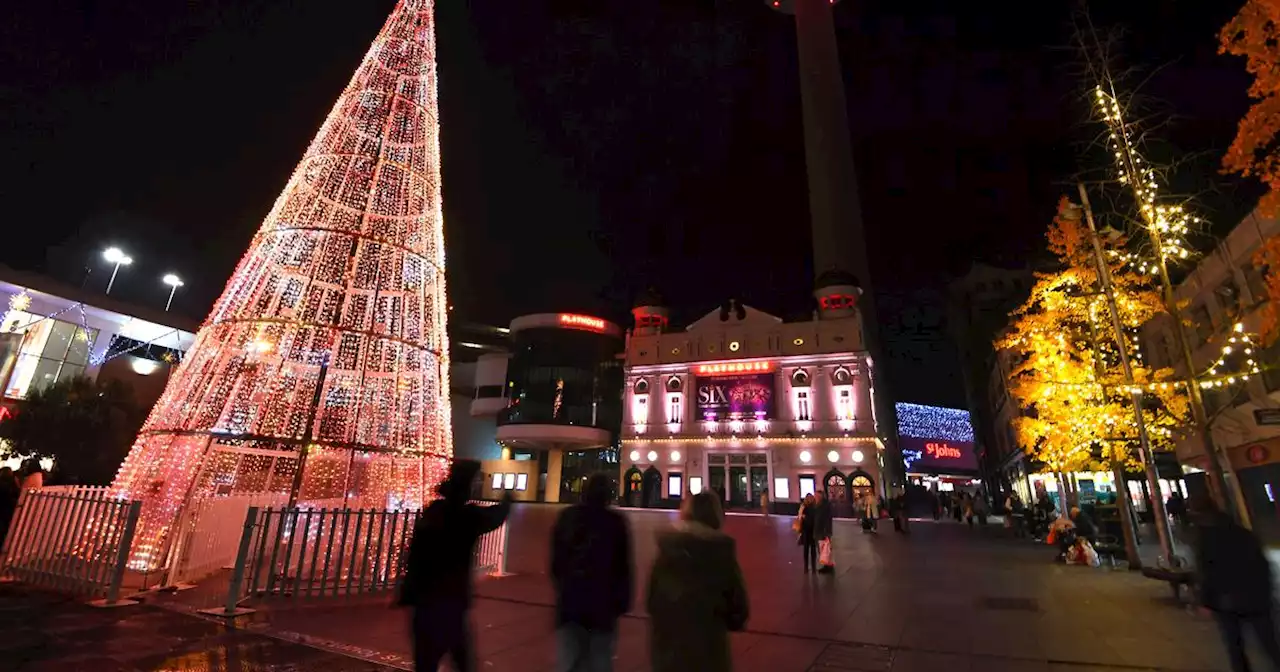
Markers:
point(1135, 395)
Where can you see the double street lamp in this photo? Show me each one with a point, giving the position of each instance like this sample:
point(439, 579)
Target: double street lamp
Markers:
point(114, 255)
point(174, 283)
point(118, 258)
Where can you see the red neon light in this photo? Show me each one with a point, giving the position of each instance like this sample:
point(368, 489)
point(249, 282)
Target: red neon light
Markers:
point(942, 450)
point(585, 321)
point(5, 413)
point(726, 368)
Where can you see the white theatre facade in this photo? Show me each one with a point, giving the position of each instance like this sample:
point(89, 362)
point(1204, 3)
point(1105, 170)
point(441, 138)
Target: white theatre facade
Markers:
point(745, 405)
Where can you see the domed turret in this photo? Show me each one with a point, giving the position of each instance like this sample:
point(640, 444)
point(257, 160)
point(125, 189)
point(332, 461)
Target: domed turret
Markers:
point(837, 293)
point(650, 313)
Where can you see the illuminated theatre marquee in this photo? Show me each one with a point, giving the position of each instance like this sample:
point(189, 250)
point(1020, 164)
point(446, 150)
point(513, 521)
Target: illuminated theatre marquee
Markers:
point(582, 322)
point(733, 368)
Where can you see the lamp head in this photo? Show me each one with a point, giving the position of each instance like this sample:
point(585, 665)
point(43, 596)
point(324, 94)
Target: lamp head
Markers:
point(115, 255)
point(172, 280)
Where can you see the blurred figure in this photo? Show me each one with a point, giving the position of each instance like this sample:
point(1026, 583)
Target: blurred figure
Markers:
point(764, 502)
point(437, 582)
point(696, 592)
point(1235, 583)
point(823, 522)
point(9, 491)
point(870, 512)
point(591, 569)
point(808, 544)
point(32, 474)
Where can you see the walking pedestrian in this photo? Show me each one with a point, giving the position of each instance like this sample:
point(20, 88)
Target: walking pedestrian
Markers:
point(696, 592)
point(823, 522)
point(808, 544)
point(1235, 583)
point(591, 568)
point(437, 582)
point(870, 513)
point(764, 502)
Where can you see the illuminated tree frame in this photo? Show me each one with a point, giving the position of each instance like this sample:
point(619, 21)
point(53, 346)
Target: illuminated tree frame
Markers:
point(330, 334)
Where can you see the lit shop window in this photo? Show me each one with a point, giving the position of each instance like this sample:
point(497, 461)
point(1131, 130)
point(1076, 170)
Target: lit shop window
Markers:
point(781, 488)
point(518, 482)
point(51, 350)
point(808, 485)
point(695, 484)
point(674, 485)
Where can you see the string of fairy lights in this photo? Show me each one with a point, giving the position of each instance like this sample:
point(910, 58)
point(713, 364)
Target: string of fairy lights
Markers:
point(1167, 227)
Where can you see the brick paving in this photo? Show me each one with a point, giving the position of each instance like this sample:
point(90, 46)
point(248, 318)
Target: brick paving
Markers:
point(944, 598)
point(41, 632)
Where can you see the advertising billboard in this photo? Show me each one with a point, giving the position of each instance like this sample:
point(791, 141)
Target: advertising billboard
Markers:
point(937, 455)
point(738, 397)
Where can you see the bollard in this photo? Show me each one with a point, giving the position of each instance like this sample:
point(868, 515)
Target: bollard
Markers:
point(232, 609)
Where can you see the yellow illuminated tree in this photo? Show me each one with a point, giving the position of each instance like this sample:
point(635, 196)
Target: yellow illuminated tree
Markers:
point(1078, 407)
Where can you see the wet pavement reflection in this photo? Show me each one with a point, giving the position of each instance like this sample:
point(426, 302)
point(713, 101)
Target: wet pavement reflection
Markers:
point(43, 632)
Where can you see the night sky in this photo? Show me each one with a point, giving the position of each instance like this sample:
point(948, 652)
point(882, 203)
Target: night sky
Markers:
point(590, 148)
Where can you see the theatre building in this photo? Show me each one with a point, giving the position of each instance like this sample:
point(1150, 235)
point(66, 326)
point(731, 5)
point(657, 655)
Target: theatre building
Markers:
point(745, 405)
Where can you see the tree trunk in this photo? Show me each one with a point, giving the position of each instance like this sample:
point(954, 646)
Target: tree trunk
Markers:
point(1124, 508)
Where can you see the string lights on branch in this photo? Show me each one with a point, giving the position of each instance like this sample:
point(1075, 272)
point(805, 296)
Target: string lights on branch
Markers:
point(328, 343)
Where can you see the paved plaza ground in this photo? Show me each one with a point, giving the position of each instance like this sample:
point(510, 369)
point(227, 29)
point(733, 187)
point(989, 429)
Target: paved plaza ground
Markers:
point(943, 598)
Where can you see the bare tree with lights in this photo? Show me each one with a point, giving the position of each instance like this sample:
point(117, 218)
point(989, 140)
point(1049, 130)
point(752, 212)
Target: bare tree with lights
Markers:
point(1159, 224)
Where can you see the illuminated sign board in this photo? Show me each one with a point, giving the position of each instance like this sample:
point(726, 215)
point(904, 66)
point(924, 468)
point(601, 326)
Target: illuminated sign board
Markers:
point(582, 322)
point(736, 397)
point(937, 454)
point(733, 368)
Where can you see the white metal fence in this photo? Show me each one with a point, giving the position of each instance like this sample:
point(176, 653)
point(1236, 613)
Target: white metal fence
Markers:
point(208, 535)
point(71, 539)
point(303, 553)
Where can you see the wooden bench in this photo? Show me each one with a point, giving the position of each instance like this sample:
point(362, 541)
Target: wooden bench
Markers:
point(1176, 577)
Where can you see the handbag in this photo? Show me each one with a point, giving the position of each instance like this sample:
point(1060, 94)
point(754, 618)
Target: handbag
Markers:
point(824, 553)
point(1052, 538)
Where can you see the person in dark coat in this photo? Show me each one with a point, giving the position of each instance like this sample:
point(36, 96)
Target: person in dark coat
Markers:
point(808, 544)
point(696, 592)
point(1235, 583)
point(437, 582)
point(591, 568)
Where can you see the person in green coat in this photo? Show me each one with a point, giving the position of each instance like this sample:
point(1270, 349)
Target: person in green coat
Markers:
point(696, 592)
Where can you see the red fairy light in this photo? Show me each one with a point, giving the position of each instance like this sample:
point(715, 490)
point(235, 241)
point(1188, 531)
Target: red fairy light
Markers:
point(348, 269)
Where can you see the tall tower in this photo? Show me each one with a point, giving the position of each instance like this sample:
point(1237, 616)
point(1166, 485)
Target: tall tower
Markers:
point(835, 211)
point(842, 272)
point(328, 345)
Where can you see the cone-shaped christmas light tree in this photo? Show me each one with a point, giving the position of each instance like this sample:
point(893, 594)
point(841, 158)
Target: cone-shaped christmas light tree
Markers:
point(327, 347)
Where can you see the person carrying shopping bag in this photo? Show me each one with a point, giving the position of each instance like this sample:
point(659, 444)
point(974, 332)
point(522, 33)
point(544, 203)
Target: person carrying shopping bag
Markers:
point(822, 528)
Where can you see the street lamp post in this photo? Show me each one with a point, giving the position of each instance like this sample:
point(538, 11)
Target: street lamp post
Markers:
point(174, 283)
point(114, 255)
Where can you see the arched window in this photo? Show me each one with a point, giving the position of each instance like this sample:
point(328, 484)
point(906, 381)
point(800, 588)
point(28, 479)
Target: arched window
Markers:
point(800, 378)
point(673, 384)
point(642, 386)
